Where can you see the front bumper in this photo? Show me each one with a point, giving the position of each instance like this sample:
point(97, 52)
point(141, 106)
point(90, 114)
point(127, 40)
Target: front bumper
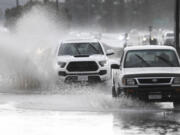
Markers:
point(102, 75)
point(154, 93)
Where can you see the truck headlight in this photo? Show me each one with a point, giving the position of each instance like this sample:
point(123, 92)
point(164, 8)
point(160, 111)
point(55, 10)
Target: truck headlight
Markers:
point(129, 81)
point(102, 63)
point(62, 64)
point(176, 80)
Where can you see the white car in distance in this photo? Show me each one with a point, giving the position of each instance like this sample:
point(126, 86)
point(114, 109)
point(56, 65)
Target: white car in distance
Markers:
point(82, 61)
point(169, 39)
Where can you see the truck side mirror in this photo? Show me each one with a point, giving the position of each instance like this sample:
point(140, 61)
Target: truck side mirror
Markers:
point(115, 66)
point(110, 52)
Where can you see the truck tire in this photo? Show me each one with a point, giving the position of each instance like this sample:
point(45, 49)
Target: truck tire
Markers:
point(114, 94)
point(176, 104)
point(119, 91)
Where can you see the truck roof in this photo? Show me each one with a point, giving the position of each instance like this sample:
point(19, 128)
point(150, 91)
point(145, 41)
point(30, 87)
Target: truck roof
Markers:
point(149, 47)
point(80, 41)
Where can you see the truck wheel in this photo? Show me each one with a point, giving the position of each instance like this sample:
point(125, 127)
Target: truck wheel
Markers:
point(114, 94)
point(176, 104)
point(119, 91)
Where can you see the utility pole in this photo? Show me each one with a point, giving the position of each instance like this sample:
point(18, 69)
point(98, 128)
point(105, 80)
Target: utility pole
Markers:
point(88, 11)
point(17, 3)
point(176, 31)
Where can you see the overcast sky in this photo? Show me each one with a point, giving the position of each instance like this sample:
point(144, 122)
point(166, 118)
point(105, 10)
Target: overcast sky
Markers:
point(4, 4)
point(9, 3)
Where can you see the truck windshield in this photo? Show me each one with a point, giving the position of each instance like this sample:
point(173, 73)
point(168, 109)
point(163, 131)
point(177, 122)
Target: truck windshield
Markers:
point(76, 49)
point(151, 58)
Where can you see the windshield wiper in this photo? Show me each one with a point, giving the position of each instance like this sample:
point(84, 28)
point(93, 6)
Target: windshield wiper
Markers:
point(77, 50)
point(139, 57)
point(166, 61)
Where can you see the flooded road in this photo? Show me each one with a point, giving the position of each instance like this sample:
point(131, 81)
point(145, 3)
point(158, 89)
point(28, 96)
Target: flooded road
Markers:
point(83, 110)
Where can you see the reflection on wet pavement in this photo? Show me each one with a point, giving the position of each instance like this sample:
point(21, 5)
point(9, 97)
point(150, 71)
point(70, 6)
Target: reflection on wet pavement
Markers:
point(139, 122)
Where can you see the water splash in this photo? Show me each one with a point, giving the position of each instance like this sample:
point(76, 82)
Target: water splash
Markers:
point(27, 52)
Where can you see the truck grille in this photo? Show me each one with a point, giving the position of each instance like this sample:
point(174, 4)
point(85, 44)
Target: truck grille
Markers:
point(82, 66)
point(154, 80)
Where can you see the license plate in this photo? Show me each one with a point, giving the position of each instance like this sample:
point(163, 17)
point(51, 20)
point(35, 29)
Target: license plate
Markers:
point(82, 78)
point(155, 96)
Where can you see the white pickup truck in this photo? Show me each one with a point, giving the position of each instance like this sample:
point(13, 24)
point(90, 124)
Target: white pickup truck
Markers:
point(82, 60)
point(149, 73)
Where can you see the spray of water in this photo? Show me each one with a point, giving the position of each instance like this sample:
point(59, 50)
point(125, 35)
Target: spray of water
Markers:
point(27, 52)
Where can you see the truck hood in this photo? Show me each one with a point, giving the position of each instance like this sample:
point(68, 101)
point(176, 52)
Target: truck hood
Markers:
point(89, 58)
point(154, 70)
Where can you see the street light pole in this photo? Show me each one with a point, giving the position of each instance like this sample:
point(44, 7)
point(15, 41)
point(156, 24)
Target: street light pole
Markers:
point(177, 26)
point(88, 10)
